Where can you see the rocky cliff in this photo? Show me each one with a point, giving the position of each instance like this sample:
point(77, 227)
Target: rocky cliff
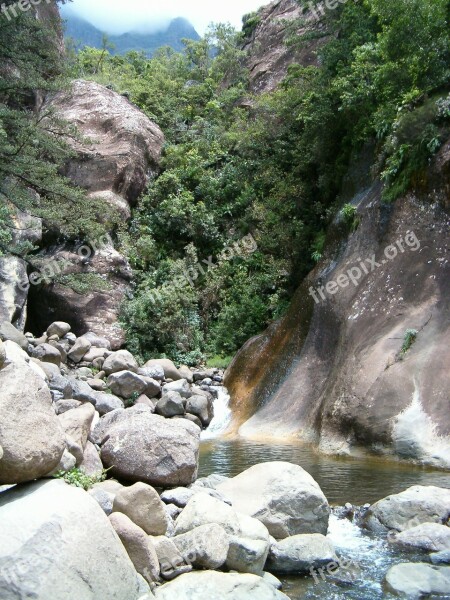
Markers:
point(360, 360)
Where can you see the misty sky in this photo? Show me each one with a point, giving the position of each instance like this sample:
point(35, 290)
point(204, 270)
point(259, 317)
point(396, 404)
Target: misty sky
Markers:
point(119, 16)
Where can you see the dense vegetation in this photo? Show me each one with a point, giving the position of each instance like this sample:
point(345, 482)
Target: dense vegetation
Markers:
point(270, 166)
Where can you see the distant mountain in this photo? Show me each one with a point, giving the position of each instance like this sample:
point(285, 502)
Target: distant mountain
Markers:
point(86, 34)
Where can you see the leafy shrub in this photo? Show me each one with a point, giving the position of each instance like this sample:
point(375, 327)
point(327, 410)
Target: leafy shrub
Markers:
point(408, 340)
point(78, 478)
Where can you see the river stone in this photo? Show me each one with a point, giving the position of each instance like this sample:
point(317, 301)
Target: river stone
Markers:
point(63, 406)
point(430, 537)
point(104, 493)
point(154, 372)
point(79, 349)
point(179, 496)
point(225, 586)
point(145, 401)
point(249, 549)
point(66, 464)
point(142, 504)
point(416, 505)
point(61, 384)
point(203, 509)
point(98, 385)
point(205, 547)
point(91, 463)
point(300, 554)
point(77, 426)
point(281, 495)
point(31, 436)
point(58, 328)
point(122, 360)
point(9, 333)
point(56, 542)
point(126, 383)
point(141, 446)
point(47, 353)
point(272, 580)
point(106, 403)
point(82, 391)
point(202, 408)
point(170, 370)
point(440, 558)
point(95, 353)
point(170, 405)
point(97, 341)
point(171, 562)
point(418, 580)
point(138, 546)
point(181, 386)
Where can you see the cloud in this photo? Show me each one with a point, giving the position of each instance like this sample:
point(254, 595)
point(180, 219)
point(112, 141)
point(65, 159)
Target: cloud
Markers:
point(117, 16)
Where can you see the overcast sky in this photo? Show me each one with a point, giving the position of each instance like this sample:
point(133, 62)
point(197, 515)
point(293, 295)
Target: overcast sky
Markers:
point(119, 16)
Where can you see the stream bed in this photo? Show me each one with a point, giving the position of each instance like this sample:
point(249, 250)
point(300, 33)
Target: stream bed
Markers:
point(343, 480)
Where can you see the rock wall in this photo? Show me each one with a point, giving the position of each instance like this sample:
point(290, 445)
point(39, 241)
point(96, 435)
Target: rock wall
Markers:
point(333, 372)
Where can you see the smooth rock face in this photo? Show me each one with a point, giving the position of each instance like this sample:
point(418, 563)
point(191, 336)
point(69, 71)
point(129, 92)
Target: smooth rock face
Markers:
point(206, 547)
point(122, 360)
point(31, 436)
point(226, 586)
point(141, 446)
point(282, 496)
point(141, 503)
point(138, 546)
point(170, 370)
point(300, 553)
point(56, 542)
point(418, 580)
point(416, 505)
point(430, 537)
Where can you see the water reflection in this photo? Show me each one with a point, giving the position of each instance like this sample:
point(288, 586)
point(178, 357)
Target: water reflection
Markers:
point(342, 479)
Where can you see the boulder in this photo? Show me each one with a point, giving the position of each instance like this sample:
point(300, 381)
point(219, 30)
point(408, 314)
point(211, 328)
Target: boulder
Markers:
point(82, 391)
point(126, 383)
point(97, 341)
point(202, 408)
point(192, 419)
point(170, 405)
point(282, 496)
point(170, 370)
point(31, 436)
point(172, 563)
point(416, 505)
point(106, 403)
point(249, 549)
point(226, 586)
point(272, 580)
point(153, 387)
point(122, 360)
point(205, 547)
point(79, 350)
point(77, 425)
point(49, 369)
point(154, 372)
point(91, 463)
point(418, 580)
point(203, 509)
point(96, 353)
point(47, 353)
point(141, 503)
point(98, 385)
point(56, 542)
point(14, 287)
point(61, 384)
point(186, 373)
point(67, 463)
point(145, 400)
point(138, 546)
point(181, 386)
point(63, 406)
point(179, 496)
point(300, 553)
point(440, 558)
point(429, 537)
point(104, 493)
point(141, 446)
point(58, 328)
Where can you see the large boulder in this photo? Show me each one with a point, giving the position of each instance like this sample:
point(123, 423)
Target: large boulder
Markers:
point(282, 496)
point(209, 585)
point(416, 505)
point(126, 384)
point(91, 463)
point(172, 563)
point(418, 580)
point(56, 542)
point(141, 446)
point(122, 360)
point(300, 553)
point(141, 503)
point(203, 509)
point(58, 328)
point(181, 386)
point(205, 547)
point(140, 549)
point(79, 349)
point(9, 333)
point(77, 426)
point(47, 353)
point(170, 370)
point(31, 436)
point(170, 405)
point(201, 407)
point(429, 537)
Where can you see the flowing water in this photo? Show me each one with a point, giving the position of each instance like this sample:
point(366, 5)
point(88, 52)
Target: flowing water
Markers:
point(342, 480)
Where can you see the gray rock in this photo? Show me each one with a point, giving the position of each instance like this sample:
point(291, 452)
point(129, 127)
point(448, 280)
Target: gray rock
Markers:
point(145, 400)
point(226, 586)
point(63, 406)
point(203, 509)
point(61, 384)
point(301, 553)
point(429, 537)
point(98, 385)
point(138, 546)
point(99, 432)
point(178, 496)
point(67, 463)
point(2, 354)
point(104, 493)
point(181, 386)
point(153, 387)
point(97, 341)
point(172, 563)
point(170, 405)
point(77, 425)
point(416, 505)
point(58, 328)
point(122, 360)
point(212, 481)
point(47, 353)
point(91, 463)
point(49, 369)
point(282, 496)
point(186, 373)
point(170, 371)
point(141, 446)
point(205, 547)
point(9, 333)
point(202, 408)
point(142, 504)
point(126, 383)
point(66, 548)
point(440, 558)
point(31, 436)
point(106, 403)
point(418, 580)
point(79, 349)
point(272, 580)
point(173, 511)
point(248, 549)
point(82, 391)
point(96, 353)
point(154, 372)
